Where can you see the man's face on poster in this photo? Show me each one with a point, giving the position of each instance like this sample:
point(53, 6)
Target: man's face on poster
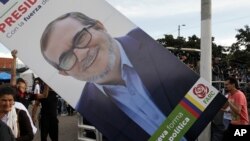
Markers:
point(85, 52)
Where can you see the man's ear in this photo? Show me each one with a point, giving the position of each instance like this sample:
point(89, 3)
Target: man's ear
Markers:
point(63, 73)
point(99, 26)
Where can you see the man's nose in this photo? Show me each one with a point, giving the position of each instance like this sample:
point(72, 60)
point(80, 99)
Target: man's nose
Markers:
point(81, 54)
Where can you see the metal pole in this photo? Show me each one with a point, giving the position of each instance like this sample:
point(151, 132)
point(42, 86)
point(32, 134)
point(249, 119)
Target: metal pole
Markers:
point(179, 28)
point(206, 54)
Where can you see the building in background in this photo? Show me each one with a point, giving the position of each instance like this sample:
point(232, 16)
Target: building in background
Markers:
point(5, 64)
point(22, 71)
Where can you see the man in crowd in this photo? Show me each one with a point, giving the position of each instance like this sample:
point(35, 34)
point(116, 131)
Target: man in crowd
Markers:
point(19, 83)
point(238, 106)
point(48, 121)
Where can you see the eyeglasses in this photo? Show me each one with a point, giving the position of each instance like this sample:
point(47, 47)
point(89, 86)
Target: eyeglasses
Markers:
point(80, 41)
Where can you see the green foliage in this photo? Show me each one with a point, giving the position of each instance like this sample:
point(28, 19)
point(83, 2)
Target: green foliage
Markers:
point(237, 53)
point(240, 51)
point(169, 41)
point(191, 42)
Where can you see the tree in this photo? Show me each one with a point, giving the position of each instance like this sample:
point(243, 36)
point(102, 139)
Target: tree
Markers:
point(243, 37)
point(240, 51)
point(193, 42)
point(170, 41)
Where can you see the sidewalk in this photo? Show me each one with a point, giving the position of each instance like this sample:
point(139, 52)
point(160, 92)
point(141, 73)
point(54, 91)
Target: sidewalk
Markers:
point(67, 129)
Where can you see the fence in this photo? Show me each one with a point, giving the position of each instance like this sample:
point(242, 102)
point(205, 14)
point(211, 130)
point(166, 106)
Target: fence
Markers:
point(83, 128)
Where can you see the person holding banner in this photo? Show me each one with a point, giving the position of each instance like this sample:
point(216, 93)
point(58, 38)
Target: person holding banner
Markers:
point(48, 121)
point(237, 102)
point(238, 106)
point(132, 81)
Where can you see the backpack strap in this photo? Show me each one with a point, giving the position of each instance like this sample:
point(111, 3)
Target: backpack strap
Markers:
point(18, 127)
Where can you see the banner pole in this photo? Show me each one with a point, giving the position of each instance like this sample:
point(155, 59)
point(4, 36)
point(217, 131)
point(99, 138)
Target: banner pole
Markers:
point(206, 54)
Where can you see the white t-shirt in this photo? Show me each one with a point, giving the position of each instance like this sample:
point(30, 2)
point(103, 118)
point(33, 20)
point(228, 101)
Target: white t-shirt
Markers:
point(37, 89)
point(227, 113)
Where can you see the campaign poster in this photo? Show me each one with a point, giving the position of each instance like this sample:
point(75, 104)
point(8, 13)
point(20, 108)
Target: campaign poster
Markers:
point(115, 75)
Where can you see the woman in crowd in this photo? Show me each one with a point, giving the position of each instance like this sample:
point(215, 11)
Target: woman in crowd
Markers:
point(16, 119)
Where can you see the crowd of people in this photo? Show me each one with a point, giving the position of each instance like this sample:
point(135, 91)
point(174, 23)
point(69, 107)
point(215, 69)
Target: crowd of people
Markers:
point(17, 123)
point(233, 114)
point(233, 81)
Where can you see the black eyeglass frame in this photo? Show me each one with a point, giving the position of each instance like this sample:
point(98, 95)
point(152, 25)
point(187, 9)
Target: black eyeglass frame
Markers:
point(75, 41)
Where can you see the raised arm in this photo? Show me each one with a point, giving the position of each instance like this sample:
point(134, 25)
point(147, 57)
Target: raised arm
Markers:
point(13, 68)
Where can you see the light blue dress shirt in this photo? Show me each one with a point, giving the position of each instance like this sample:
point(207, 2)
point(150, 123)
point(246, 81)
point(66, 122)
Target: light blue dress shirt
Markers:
point(133, 98)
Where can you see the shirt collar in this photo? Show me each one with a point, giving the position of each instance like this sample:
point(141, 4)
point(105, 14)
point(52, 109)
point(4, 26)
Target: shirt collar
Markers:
point(124, 57)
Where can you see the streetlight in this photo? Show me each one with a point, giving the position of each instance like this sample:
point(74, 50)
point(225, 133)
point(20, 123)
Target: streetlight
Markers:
point(179, 29)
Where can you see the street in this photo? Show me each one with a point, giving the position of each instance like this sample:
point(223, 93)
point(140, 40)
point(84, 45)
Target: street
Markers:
point(67, 129)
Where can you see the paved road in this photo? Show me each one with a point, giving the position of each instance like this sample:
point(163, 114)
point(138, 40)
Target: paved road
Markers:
point(67, 129)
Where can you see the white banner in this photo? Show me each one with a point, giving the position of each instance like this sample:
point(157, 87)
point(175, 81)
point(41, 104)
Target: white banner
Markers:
point(120, 79)
point(23, 22)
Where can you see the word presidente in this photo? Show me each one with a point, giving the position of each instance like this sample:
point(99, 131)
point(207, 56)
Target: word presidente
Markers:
point(16, 14)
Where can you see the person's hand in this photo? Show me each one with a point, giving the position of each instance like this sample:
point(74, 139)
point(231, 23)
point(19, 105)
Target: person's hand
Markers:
point(13, 53)
point(225, 106)
point(230, 101)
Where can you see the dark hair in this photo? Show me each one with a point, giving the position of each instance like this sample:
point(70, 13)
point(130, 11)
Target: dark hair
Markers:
point(40, 82)
point(80, 17)
point(7, 89)
point(233, 80)
point(38, 79)
point(20, 80)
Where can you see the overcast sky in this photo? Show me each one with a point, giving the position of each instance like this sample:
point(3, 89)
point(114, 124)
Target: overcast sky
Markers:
point(159, 17)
